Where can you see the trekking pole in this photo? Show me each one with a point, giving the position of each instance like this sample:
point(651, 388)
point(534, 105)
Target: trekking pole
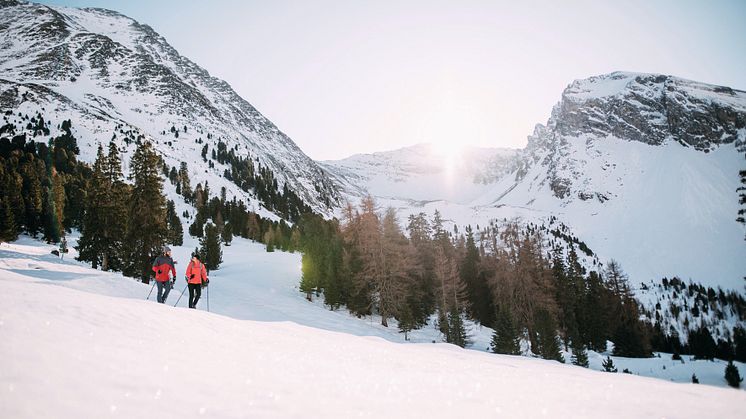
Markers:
point(151, 290)
point(182, 294)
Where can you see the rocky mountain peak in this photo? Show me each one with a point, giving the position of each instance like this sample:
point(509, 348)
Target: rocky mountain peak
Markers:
point(651, 108)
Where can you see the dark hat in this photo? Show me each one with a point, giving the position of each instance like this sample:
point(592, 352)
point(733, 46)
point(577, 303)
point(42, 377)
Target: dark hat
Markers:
point(196, 255)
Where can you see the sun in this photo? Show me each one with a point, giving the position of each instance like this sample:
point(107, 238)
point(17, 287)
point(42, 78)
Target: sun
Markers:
point(446, 148)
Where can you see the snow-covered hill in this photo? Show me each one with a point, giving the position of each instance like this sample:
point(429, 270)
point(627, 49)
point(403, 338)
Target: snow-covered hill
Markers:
point(643, 168)
point(115, 78)
point(422, 173)
point(82, 343)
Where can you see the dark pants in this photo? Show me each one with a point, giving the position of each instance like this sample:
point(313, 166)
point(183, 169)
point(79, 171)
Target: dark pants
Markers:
point(195, 291)
point(161, 287)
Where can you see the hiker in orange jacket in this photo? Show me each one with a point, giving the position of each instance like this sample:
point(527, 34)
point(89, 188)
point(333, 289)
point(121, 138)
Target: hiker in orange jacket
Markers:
point(196, 276)
point(162, 265)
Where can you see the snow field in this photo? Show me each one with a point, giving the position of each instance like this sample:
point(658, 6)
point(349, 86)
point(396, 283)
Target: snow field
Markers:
point(72, 347)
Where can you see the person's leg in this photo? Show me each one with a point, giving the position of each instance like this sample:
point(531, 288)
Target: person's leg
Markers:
point(198, 292)
point(167, 288)
point(191, 295)
point(159, 297)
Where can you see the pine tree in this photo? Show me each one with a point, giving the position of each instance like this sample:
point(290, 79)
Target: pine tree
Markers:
point(8, 232)
point(695, 380)
point(32, 194)
point(457, 330)
point(741, 218)
point(92, 240)
point(175, 230)
point(547, 340)
point(596, 313)
point(481, 306)
point(105, 217)
point(227, 234)
point(732, 376)
point(505, 339)
point(608, 365)
point(579, 354)
point(210, 249)
point(147, 230)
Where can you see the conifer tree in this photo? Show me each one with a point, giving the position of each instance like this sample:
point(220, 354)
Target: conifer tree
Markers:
point(457, 329)
point(175, 230)
point(695, 380)
point(579, 354)
point(147, 230)
point(732, 376)
point(505, 339)
point(105, 217)
point(210, 249)
point(92, 242)
point(548, 343)
point(481, 306)
point(596, 323)
point(608, 365)
point(227, 234)
point(32, 193)
point(8, 232)
point(741, 218)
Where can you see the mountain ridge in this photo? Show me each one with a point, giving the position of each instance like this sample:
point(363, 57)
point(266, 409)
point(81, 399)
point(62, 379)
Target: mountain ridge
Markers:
point(97, 66)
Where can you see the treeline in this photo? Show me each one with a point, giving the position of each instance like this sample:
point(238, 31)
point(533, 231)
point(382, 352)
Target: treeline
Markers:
point(124, 222)
point(42, 185)
point(514, 279)
point(697, 311)
point(231, 218)
point(245, 172)
point(249, 175)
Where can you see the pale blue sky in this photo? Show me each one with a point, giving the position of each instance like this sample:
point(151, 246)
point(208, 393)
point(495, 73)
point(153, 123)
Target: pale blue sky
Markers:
point(344, 77)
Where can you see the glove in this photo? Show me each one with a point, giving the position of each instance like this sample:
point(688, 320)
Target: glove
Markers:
point(159, 271)
point(191, 276)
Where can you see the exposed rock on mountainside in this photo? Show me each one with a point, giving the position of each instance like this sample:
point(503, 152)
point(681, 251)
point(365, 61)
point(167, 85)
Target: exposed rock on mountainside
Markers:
point(106, 71)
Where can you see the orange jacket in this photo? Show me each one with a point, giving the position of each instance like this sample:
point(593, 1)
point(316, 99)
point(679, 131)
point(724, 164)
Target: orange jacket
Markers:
point(199, 272)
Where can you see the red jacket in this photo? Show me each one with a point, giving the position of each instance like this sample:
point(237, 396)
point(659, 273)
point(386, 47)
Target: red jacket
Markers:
point(162, 266)
point(199, 272)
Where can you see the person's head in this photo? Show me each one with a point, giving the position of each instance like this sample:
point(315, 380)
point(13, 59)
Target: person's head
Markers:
point(195, 257)
point(166, 250)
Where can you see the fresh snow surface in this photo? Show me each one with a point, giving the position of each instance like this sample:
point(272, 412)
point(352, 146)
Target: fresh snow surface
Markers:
point(84, 343)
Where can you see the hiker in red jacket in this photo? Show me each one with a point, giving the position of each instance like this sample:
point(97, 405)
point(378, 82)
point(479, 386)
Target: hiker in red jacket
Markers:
point(162, 265)
point(196, 276)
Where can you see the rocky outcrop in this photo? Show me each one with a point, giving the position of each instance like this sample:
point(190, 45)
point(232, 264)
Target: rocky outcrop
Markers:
point(651, 108)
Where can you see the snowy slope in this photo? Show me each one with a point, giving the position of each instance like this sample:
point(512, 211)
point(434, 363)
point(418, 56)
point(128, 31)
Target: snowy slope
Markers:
point(643, 168)
point(259, 286)
point(117, 78)
point(73, 347)
point(422, 173)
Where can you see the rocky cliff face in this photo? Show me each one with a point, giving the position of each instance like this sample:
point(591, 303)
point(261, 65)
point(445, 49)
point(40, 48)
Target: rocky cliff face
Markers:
point(649, 108)
point(106, 71)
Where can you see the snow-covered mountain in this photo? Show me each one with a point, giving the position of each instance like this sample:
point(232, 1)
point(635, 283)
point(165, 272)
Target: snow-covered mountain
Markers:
point(109, 74)
point(422, 173)
point(642, 167)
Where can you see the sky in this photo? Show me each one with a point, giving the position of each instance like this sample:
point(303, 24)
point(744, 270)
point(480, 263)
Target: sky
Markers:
point(351, 76)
